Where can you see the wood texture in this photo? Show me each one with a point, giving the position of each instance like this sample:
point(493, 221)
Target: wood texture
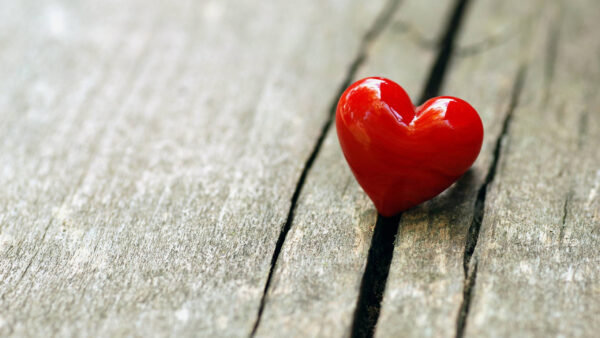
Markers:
point(425, 286)
point(317, 278)
point(537, 259)
point(149, 152)
point(521, 280)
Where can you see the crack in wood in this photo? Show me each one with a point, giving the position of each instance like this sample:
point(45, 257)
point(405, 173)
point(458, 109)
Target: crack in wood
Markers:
point(479, 208)
point(381, 251)
point(375, 276)
point(561, 235)
point(374, 31)
point(446, 47)
point(467, 294)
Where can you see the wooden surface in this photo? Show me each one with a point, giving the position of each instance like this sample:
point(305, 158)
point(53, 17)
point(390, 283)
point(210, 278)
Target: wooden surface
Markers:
point(170, 169)
point(424, 294)
point(538, 251)
point(317, 279)
point(147, 196)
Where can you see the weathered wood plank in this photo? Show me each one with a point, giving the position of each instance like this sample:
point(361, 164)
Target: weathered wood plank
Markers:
point(536, 266)
point(149, 155)
point(317, 278)
point(424, 291)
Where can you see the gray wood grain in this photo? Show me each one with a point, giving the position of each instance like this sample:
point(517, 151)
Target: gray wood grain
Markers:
point(424, 291)
point(537, 259)
point(149, 151)
point(317, 277)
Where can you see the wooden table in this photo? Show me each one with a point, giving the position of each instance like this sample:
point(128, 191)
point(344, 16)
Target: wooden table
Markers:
point(170, 168)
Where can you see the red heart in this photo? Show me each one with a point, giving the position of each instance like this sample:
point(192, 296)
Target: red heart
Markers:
point(402, 155)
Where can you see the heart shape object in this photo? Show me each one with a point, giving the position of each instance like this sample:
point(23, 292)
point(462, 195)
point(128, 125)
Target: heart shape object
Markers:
point(402, 155)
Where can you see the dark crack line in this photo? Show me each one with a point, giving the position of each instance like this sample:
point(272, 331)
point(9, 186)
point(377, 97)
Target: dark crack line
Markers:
point(381, 252)
point(375, 30)
point(446, 46)
point(563, 224)
point(479, 208)
point(467, 294)
point(375, 276)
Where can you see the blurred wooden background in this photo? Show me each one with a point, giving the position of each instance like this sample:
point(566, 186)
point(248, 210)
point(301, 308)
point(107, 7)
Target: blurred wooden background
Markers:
point(169, 168)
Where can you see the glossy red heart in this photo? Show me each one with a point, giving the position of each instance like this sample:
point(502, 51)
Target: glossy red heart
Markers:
point(402, 155)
